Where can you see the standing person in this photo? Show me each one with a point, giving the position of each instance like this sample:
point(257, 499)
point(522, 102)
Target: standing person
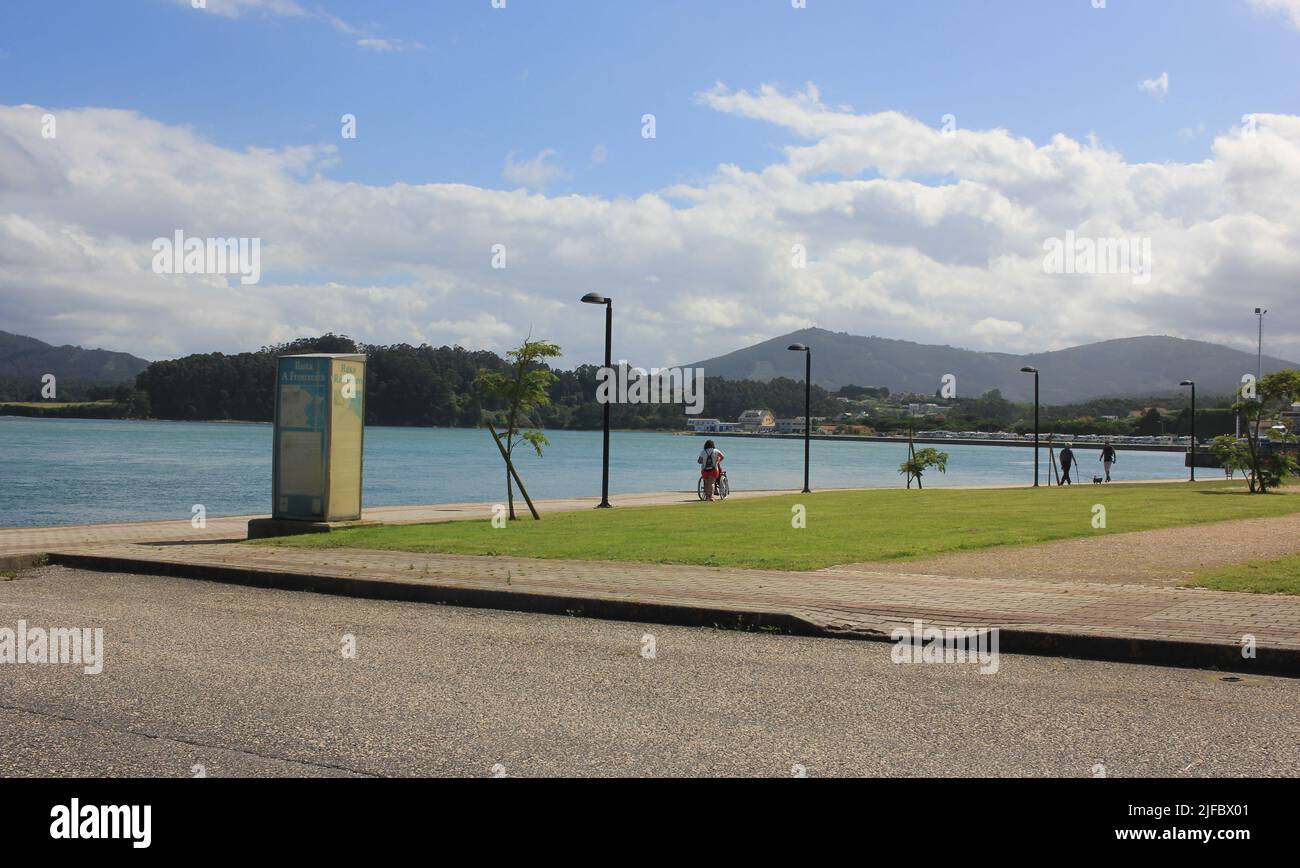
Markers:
point(710, 462)
point(1067, 463)
point(1107, 458)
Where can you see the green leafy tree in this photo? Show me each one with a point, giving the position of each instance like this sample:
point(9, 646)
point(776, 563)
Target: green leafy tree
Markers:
point(1267, 467)
point(921, 461)
point(1232, 455)
point(524, 389)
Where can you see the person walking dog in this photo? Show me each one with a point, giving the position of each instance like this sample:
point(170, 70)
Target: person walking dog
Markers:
point(1107, 458)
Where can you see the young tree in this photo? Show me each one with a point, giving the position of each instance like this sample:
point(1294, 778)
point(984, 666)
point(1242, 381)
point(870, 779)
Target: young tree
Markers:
point(1233, 456)
point(524, 387)
point(1267, 467)
point(922, 460)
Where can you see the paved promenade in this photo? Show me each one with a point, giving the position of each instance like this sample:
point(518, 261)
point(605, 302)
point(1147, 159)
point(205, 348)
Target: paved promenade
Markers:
point(250, 682)
point(1102, 620)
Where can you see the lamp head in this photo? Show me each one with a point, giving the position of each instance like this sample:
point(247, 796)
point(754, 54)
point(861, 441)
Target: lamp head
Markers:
point(1028, 370)
point(1187, 383)
point(797, 348)
point(595, 298)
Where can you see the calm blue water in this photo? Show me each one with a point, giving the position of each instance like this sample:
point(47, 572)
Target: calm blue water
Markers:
point(81, 471)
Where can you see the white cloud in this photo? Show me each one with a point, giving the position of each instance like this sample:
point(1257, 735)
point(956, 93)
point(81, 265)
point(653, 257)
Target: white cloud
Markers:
point(890, 249)
point(536, 174)
point(989, 327)
point(364, 38)
point(292, 9)
point(1157, 87)
point(236, 8)
point(1286, 8)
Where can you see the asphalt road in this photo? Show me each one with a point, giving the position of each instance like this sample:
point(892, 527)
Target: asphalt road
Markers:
point(245, 682)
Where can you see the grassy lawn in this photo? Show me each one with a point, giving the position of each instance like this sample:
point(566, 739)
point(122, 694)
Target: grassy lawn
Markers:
point(842, 527)
point(1281, 576)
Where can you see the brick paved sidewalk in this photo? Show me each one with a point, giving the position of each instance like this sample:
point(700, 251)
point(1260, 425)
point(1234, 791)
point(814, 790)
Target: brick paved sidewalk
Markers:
point(1106, 621)
point(1167, 557)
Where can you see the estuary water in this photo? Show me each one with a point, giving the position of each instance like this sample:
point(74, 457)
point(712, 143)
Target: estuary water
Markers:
point(82, 471)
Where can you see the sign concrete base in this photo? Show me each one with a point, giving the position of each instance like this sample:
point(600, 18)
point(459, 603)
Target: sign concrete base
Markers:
point(263, 528)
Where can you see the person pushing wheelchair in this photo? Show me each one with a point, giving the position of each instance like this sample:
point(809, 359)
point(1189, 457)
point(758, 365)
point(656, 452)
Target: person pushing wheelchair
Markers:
point(710, 462)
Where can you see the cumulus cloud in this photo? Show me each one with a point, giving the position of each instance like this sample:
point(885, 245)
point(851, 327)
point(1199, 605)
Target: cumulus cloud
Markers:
point(536, 174)
point(905, 232)
point(1157, 87)
point(1288, 9)
point(990, 327)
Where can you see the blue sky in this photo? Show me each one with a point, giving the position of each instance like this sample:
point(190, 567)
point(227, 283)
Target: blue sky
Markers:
point(572, 75)
point(521, 127)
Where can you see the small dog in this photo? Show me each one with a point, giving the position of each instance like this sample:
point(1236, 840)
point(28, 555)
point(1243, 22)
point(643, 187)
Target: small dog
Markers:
point(1097, 480)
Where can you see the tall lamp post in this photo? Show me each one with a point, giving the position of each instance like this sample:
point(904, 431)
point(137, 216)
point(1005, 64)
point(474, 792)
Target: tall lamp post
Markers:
point(597, 298)
point(1034, 371)
point(1193, 385)
point(807, 406)
point(1259, 363)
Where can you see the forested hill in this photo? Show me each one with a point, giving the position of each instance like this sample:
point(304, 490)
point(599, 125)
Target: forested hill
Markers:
point(1149, 365)
point(22, 357)
point(431, 386)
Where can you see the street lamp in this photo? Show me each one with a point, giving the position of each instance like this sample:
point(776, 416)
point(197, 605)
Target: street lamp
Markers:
point(1193, 385)
point(1259, 364)
point(597, 298)
point(1034, 371)
point(807, 406)
point(1259, 360)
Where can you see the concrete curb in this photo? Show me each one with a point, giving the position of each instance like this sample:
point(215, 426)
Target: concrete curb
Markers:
point(476, 598)
point(1012, 640)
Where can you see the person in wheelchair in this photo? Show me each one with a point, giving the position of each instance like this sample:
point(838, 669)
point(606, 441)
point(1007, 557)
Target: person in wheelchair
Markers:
point(710, 462)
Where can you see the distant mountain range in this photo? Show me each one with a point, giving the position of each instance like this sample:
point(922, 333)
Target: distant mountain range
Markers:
point(24, 357)
point(1142, 366)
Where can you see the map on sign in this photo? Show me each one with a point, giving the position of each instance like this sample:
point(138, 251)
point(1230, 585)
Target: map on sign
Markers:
point(302, 417)
point(300, 408)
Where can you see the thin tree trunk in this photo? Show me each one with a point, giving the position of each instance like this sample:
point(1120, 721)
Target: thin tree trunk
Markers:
point(1263, 486)
point(511, 471)
point(1252, 438)
point(510, 492)
point(911, 456)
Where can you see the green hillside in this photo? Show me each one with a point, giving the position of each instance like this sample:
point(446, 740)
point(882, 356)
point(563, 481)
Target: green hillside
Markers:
point(1149, 365)
point(23, 357)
